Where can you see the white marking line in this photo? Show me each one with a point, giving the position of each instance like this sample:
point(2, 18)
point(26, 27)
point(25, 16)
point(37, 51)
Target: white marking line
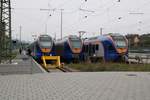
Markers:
point(39, 66)
point(15, 63)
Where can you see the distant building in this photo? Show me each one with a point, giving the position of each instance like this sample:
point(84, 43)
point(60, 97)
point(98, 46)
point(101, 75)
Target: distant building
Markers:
point(134, 39)
point(139, 41)
point(145, 40)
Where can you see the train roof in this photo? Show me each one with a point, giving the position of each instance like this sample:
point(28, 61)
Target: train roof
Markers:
point(114, 34)
point(67, 37)
point(44, 35)
point(102, 37)
point(97, 37)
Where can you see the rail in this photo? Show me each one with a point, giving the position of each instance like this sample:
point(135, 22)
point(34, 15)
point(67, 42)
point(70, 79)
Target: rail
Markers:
point(64, 69)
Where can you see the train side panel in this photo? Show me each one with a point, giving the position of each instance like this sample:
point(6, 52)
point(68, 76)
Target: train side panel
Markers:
point(110, 53)
point(69, 48)
point(106, 47)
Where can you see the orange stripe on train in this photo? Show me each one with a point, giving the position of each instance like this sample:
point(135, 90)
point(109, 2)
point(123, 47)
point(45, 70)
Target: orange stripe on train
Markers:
point(76, 50)
point(45, 50)
point(122, 50)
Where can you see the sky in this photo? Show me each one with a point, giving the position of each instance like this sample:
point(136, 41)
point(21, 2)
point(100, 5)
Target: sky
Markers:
point(124, 17)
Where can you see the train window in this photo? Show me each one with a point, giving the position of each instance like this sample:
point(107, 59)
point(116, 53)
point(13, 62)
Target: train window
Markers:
point(76, 43)
point(93, 48)
point(97, 47)
point(84, 48)
point(119, 41)
point(87, 48)
point(46, 44)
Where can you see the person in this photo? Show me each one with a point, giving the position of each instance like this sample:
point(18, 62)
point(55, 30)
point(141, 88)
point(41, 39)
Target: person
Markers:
point(20, 50)
point(24, 52)
point(29, 51)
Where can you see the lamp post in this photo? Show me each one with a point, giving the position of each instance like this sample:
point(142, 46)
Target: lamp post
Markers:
point(20, 29)
point(34, 38)
point(101, 31)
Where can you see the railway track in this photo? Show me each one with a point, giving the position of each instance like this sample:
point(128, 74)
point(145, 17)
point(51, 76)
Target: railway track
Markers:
point(64, 69)
point(57, 69)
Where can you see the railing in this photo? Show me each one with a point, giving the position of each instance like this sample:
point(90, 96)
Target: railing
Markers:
point(139, 58)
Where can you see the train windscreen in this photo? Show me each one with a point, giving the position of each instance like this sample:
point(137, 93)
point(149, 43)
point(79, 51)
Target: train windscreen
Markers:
point(45, 42)
point(119, 41)
point(76, 43)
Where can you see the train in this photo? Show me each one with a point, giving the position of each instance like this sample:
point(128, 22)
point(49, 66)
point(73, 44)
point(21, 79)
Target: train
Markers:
point(69, 48)
point(109, 47)
point(43, 46)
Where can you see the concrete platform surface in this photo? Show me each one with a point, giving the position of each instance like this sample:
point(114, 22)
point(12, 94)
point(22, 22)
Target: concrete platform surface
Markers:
point(76, 86)
point(22, 64)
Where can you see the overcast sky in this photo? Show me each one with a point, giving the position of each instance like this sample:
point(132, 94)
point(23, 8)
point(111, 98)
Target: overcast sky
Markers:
point(112, 16)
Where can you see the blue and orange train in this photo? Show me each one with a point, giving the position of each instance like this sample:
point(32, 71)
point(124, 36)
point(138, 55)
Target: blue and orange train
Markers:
point(110, 47)
point(43, 46)
point(69, 48)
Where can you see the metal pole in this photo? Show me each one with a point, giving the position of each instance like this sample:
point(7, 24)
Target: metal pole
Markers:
point(45, 28)
point(1, 32)
point(61, 23)
point(20, 28)
point(10, 38)
point(101, 31)
point(129, 42)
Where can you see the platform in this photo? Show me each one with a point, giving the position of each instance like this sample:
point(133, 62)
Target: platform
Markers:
point(76, 86)
point(22, 64)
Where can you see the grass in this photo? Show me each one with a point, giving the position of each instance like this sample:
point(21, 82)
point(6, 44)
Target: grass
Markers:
point(94, 67)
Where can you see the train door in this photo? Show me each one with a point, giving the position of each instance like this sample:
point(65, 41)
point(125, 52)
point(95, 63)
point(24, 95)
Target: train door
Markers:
point(100, 50)
point(90, 50)
point(85, 52)
point(110, 52)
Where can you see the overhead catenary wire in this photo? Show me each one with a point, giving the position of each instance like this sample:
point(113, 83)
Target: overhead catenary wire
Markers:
point(89, 16)
point(84, 10)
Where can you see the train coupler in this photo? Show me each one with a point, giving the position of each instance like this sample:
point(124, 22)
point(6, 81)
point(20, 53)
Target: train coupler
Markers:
point(51, 61)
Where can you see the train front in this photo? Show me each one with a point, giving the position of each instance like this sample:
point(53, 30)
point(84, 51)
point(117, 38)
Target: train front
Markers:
point(76, 46)
point(45, 43)
point(121, 45)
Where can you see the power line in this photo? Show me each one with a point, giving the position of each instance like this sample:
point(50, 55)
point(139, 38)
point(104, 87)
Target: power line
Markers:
point(86, 10)
point(61, 18)
point(64, 3)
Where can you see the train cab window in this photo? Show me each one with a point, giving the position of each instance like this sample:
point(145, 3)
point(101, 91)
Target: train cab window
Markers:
point(97, 47)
